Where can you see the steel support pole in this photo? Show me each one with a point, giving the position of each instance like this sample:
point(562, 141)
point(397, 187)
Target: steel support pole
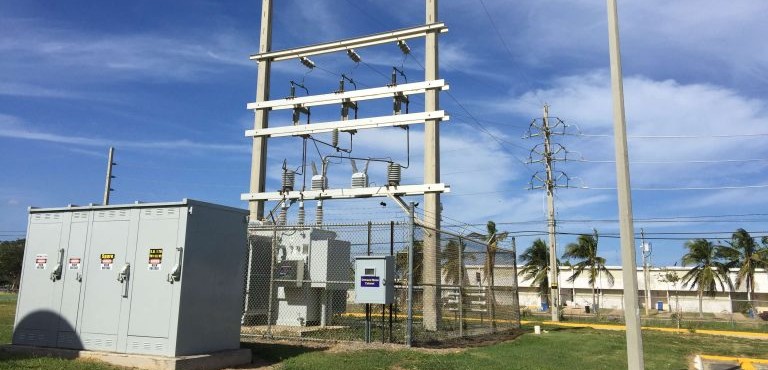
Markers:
point(626, 226)
point(411, 232)
point(431, 272)
point(261, 119)
point(108, 182)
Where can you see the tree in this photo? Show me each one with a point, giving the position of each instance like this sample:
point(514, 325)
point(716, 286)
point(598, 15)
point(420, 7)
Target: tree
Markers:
point(454, 270)
point(584, 251)
point(708, 269)
point(492, 239)
point(744, 253)
point(535, 267)
point(671, 277)
point(11, 256)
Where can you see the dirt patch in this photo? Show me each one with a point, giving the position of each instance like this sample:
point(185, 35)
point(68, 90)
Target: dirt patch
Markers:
point(473, 341)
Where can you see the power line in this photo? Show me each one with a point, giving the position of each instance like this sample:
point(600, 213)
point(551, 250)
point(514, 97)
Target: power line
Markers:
point(674, 136)
point(675, 162)
point(679, 188)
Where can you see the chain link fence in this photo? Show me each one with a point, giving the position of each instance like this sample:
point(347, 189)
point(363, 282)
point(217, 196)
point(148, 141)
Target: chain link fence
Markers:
point(300, 283)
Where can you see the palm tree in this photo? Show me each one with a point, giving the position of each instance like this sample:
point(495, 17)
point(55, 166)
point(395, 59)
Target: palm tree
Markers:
point(744, 253)
point(585, 252)
point(492, 239)
point(454, 270)
point(535, 267)
point(708, 269)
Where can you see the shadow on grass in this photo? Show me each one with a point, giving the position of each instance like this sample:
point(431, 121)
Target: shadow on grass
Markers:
point(265, 353)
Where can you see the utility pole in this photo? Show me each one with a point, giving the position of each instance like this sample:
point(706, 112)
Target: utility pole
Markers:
point(626, 224)
point(261, 117)
point(108, 183)
point(432, 211)
point(646, 270)
point(548, 156)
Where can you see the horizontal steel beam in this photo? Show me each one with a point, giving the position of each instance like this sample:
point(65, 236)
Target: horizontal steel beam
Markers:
point(350, 96)
point(370, 40)
point(349, 125)
point(377, 191)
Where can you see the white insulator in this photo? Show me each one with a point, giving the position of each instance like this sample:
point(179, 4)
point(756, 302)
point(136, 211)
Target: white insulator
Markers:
point(319, 182)
point(282, 219)
point(393, 174)
point(302, 215)
point(359, 180)
point(335, 138)
point(319, 213)
point(289, 177)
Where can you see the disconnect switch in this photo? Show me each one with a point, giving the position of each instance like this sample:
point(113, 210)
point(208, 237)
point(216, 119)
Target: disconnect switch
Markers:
point(375, 279)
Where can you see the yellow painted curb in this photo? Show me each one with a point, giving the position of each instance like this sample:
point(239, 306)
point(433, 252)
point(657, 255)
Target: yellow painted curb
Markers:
point(746, 363)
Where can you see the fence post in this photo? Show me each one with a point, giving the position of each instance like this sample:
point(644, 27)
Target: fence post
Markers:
point(271, 281)
point(515, 294)
point(461, 288)
point(411, 236)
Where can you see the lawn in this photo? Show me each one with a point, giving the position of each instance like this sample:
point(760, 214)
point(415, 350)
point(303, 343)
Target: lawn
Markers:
point(559, 348)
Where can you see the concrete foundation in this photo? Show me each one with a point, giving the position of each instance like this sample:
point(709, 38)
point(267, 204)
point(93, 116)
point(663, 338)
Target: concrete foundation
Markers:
point(210, 361)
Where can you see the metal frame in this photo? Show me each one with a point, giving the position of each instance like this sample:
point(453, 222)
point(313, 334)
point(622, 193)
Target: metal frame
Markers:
point(349, 125)
point(370, 40)
point(377, 191)
point(351, 96)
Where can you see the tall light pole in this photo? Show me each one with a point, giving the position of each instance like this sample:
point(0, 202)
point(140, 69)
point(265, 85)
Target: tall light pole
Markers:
point(626, 225)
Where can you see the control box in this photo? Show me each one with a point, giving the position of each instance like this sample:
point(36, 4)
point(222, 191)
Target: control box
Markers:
point(375, 279)
point(148, 278)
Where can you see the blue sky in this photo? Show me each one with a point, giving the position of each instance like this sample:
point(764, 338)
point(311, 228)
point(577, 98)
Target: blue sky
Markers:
point(167, 83)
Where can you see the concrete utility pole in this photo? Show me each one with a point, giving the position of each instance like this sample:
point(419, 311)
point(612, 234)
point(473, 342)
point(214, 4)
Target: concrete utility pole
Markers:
point(108, 183)
point(646, 270)
point(550, 187)
point(261, 119)
point(431, 274)
point(626, 227)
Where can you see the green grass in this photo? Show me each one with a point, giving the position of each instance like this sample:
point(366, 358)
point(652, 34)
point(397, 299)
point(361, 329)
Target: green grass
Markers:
point(23, 361)
point(558, 349)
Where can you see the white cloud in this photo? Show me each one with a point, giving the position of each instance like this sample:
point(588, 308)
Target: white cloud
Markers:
point(12, 127)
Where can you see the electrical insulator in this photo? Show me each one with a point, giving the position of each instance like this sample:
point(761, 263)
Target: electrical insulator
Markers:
point(282, 219)
point(335, 138)
point(307, 63)
point(359, 178)
point(393, 174)
point(289, 177)
point(319, 182)
point(319, 213)
point(302, 215)
point(354, 55)
point(403, 47)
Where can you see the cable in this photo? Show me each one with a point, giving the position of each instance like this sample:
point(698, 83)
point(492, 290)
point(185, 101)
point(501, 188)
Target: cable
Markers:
point(673, 162)
point(681, 188)
point(674, 136)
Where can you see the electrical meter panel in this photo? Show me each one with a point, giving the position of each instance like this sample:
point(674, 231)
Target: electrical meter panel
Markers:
point(375, 279)
point(290, 273)
point(154, 278)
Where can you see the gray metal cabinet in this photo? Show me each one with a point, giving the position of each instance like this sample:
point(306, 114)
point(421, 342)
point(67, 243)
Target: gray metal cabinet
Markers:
point(163, 278)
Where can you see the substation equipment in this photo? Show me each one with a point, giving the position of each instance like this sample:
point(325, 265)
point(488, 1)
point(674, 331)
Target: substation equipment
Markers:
point(304, 126)
point(154, 278)
point(309, 277)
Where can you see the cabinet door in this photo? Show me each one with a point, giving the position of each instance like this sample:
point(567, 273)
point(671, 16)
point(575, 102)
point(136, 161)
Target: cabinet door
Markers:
point(151, 292)
point(103, 293)
point(37, 311)
point(72, 280)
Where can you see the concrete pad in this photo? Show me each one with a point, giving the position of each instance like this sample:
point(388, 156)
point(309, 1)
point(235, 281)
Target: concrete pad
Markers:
point(208, 361)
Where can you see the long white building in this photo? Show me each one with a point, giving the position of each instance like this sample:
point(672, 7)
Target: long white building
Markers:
point(671, 295)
